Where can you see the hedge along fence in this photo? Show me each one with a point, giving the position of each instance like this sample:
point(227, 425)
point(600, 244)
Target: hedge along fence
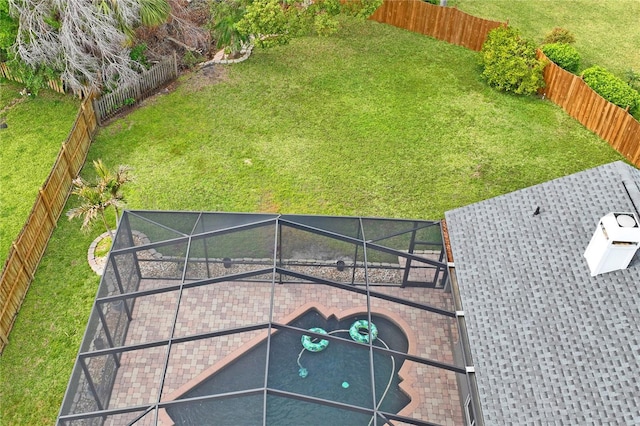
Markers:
point(56, 85)
point(27, 250)
point(444, 23)
point(612, 123)
point(112, 103)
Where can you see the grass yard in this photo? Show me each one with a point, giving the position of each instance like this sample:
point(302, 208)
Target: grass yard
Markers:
point(36, 129)
point(607, 32)
point(376, 122)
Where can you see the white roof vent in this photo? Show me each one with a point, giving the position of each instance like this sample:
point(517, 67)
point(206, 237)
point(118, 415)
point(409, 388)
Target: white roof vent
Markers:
point(614, 243)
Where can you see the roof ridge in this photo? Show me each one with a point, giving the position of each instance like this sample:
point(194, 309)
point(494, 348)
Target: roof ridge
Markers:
point(631, 185)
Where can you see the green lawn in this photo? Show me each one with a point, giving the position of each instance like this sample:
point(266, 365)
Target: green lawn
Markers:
point(378, 122)
point(607, 32)
point(375, 122)
point(37, 127)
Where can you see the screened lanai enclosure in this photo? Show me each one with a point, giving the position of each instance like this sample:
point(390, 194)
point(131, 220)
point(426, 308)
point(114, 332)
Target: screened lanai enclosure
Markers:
point(267, 319)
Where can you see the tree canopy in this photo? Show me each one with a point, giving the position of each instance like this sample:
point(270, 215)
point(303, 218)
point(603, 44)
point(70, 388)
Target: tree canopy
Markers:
point(273, 22)
point(86, 43)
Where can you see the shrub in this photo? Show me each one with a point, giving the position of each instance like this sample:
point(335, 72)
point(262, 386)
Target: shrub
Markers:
point(361, 8)
point(612, 88)
point(509, 62)
point(267, 21)
point(318, 18)
point(191, 59)
point(34, 79)
point(325, 24)
point(225, 15)
point(8, 30)
point(137, 54)
point(565, 55)
point(274, 22)
point(559, 35)
point(332, 7)
point(633, 78)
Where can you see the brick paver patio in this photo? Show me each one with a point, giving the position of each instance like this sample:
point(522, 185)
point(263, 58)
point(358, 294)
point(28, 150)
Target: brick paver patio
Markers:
point(234, 304)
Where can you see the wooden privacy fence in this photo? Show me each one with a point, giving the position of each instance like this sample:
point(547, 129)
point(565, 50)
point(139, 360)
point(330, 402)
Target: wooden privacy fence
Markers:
point(27, 250)
point(444, 23)
point(612, 123)
point(110, 104)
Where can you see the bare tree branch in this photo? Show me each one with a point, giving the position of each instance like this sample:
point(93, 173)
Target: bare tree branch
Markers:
point(185, 29)
point(83, 40)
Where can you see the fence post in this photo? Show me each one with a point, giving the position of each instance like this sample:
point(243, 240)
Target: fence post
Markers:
point(93, 114)
point(23, 264)
point(137, 92)
point(4, 71)
point(83, 106)
point(66, 158)
point(96, 111)
point(175, 64)
point(47, 205)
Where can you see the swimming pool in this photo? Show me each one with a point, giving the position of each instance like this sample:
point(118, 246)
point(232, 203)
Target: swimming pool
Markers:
point(341, 372)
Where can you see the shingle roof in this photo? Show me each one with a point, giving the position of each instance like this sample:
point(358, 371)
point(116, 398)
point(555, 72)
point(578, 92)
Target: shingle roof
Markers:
point(551, 344)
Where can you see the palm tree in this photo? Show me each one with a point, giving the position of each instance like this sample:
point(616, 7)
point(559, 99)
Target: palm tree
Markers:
point(150, 13)
point(94, 203)
point(154, 12)
point(111, 183)
point(225, 15)
point(96, 198)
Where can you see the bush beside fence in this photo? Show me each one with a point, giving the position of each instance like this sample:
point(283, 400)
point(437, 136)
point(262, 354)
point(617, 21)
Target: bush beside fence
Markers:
point(444, 23)
point(612, 123)
point(55, 85)
point(112, 103)
point(27, 250)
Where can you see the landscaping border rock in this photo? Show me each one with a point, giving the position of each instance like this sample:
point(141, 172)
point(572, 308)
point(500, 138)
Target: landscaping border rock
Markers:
point(98, 263)
point(221, 58)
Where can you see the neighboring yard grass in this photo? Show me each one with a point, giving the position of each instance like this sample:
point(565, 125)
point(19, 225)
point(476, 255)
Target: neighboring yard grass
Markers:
point(37, 127)
point(376, 122)
point(607, 32)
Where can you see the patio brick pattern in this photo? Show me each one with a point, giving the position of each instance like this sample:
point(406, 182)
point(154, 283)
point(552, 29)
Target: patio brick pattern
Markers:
point(232, 304)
